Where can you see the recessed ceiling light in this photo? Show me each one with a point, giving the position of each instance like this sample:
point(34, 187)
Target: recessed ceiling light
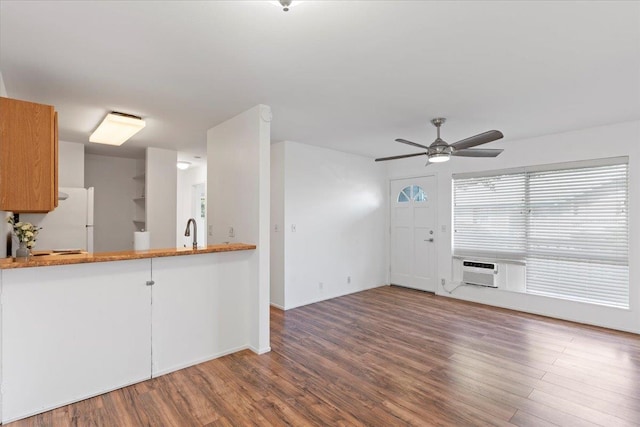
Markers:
point(116, 128)
point(183, 165)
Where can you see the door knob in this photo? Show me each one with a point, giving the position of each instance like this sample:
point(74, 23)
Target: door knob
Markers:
point(429, 240)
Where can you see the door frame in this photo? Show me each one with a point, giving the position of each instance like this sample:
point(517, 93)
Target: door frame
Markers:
point(437, 222)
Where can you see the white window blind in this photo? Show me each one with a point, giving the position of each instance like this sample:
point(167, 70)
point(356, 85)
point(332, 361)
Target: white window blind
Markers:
point(577, 244)
point(489, 216)
point(569, 223)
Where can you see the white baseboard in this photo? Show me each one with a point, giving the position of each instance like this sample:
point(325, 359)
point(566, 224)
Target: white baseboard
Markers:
point(336, 295)
point(68, 402)
point(198, 361)
point(261, 351)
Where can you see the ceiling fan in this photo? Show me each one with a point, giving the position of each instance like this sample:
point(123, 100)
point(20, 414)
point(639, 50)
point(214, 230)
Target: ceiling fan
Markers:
point(439, 151)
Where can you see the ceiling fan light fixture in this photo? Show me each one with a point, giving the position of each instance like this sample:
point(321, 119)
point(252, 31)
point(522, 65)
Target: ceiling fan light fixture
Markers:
point(286, 5)
point(439, 157)
point(116, 128)
point(440, 151)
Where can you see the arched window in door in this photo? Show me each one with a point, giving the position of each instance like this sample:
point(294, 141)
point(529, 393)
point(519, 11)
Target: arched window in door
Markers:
point(412, 192)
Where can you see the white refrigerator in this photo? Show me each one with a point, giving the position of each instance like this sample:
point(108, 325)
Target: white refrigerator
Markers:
point(69, 226)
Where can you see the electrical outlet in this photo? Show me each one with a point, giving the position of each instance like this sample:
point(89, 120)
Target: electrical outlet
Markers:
point(348, 279)
point(443, 228)
point(320, 285)
point(210, 230)
point(231, 232)
point(293, 228)
point(442, 282)
point(275, 228)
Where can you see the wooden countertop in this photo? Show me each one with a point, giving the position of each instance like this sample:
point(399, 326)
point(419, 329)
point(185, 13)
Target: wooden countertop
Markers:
point(48, 260)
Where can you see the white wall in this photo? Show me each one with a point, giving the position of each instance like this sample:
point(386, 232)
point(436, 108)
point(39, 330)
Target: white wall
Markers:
point(70, 164)
point(338, 205)
point(5, 236)
point(599, 142)
point(3, 89)
point(238, 196)
point(112, 178)
point(187, 179)
point(5, 229)
point(161, 191)
point(277, 232)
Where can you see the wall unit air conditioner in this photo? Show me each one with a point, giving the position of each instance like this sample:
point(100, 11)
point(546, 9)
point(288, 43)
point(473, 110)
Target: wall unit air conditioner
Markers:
point(479, 273)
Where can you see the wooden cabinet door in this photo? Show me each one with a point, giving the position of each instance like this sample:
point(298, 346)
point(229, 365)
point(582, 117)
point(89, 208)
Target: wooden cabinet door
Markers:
point(28, 156)
point(55, 160)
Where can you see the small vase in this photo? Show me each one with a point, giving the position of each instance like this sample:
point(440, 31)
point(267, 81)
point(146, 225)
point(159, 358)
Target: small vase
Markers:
point(23, 253)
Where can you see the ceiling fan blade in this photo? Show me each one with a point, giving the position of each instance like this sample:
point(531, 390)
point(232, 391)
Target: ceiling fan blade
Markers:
point(482, 152)
point(404, 156)
point(479, 139)
point(415, 144)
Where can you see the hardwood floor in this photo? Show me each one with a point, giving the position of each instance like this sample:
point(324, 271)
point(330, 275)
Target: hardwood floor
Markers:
point(387, 357)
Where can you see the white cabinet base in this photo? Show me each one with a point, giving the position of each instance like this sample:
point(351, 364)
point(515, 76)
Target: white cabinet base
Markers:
point(71, 332)
point(200, 308)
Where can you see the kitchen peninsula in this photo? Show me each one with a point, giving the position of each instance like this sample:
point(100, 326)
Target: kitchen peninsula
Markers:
point(76, 326)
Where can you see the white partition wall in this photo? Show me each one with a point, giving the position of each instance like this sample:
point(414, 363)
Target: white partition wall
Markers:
point(277, 267)
point(238, 173)
point(161, 189)
point(330, 211)
point(113, 225)
point(70, 164)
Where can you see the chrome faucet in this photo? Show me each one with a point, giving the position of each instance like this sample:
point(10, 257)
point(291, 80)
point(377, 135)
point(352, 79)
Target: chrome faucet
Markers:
point(195, 232)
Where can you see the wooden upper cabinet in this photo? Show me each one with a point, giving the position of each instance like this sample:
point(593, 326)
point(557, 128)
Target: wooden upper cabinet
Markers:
point(28, 156)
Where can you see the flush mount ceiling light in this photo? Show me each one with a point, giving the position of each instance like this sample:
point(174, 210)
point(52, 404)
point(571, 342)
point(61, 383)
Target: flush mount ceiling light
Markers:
point(285, 4)
point(116, 128)
point(183, 165)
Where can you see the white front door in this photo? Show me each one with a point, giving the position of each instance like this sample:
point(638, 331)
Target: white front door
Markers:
point(413, 233)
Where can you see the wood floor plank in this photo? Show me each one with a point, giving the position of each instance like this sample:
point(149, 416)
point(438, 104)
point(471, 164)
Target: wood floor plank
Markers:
point(606, 371)
point(524, 419)
point(616, 408)
point(587, 390)
point(391, 356)
point(578, 410)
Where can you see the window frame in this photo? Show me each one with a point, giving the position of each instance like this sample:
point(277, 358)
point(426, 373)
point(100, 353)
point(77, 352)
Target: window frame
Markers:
point(582, 257)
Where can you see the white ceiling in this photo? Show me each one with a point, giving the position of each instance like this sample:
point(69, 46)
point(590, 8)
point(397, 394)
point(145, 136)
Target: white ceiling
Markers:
point(348, 75)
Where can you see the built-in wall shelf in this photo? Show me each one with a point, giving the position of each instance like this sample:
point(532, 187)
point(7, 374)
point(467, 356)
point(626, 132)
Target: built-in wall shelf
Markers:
point(140, 202)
